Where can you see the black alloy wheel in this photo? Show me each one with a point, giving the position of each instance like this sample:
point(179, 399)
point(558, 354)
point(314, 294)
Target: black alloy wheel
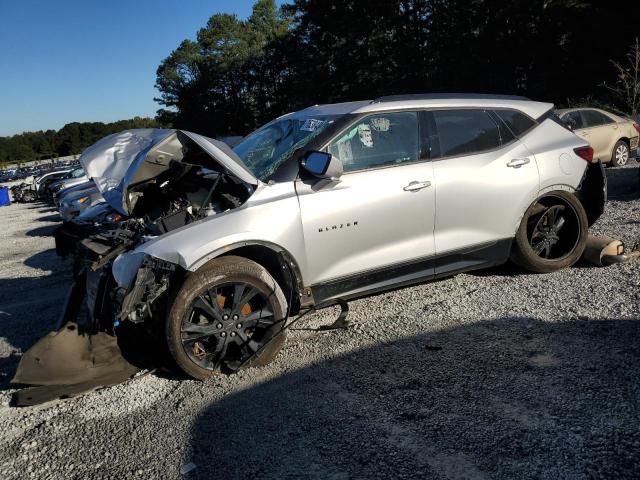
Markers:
point(226, 325)
point(552, 235)
point(227, 315)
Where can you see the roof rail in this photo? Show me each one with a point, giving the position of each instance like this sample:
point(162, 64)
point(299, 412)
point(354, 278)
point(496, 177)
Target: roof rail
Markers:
point(447, 96)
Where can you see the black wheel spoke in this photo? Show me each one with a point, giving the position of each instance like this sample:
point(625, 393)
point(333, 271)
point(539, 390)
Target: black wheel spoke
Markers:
point(558, 224)
point(247, 342)
point(213, 296)
point(247, 295)
point(537, 235)
point(208, 308)
point(238, 290)
point(199, 331)
point(219, 351)
point(540, 247)
point(262, 317)
point(550, 217)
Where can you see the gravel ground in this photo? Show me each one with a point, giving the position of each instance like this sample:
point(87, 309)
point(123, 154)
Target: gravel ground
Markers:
point(496, 374)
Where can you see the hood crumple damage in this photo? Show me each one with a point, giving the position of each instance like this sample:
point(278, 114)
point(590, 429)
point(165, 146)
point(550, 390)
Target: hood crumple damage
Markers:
point(125, 159)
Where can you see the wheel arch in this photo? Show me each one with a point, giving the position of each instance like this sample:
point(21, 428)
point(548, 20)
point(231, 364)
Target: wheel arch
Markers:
point(626, 140)
point(541, 193)
point(280, 264)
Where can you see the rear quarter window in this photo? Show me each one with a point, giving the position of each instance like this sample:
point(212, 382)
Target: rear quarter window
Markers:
point(517, 122)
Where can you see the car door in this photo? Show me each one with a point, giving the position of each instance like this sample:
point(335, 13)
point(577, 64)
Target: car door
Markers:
point(485, 179)
point(601, 133)
point(375, 223)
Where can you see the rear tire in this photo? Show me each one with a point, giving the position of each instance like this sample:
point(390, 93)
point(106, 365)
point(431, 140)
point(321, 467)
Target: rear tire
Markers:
point(209, 330)
point(552, 234)
point(620, 154)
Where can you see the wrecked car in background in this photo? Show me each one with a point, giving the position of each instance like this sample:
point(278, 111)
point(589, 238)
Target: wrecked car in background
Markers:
point(213, 249)
point(75, 202)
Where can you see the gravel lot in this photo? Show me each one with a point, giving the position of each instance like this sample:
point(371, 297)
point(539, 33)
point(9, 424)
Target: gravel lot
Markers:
point(497, 374)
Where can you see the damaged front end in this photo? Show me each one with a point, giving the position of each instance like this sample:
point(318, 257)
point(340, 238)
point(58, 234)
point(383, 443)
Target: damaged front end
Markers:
point(153, 280)
point(154, 182)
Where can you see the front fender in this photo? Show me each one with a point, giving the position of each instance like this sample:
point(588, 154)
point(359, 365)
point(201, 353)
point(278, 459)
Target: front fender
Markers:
point(270, 218)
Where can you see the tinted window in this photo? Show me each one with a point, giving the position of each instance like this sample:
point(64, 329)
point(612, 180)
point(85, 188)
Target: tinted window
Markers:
point(594, 119)
point(378, 140)
point(555, 118)
point(506, 135)
point(516, 121)
point(574, 119)
point(462, 132)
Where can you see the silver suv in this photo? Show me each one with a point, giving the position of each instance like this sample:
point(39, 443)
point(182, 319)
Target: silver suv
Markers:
point(217, 248)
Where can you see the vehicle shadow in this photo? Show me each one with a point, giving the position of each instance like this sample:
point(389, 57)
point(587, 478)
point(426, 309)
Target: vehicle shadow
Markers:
point(623, 184)
point(511, 398)
point(46, 231)
point(51, 218)
point(508, 269)
point(46, 260)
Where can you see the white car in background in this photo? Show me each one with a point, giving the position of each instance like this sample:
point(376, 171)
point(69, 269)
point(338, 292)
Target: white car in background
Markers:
point(614, 139)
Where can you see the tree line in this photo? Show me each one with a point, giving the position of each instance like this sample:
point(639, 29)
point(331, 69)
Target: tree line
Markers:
point(238, 74)
point(71, 139)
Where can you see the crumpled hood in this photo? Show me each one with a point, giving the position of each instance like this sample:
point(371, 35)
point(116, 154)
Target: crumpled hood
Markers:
point(119, 161)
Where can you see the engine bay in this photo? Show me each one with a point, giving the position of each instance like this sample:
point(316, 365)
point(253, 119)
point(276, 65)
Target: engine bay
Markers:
point(174, 187)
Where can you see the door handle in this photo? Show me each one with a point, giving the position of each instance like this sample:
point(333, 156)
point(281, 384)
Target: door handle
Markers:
point(518, 162)
point(415, 186)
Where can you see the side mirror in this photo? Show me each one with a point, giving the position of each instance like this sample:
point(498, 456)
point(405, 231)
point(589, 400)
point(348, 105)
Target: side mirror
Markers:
point(322, 165)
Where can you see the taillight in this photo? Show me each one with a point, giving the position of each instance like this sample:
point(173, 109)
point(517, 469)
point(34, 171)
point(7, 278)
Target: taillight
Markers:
point(636, 126)
point(585, 153)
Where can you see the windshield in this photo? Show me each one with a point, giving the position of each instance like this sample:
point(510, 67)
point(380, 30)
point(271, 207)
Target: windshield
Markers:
point(77, 173)
point(270, 146)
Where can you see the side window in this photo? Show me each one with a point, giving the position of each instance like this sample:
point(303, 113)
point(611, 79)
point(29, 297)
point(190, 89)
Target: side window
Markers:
point(378, 140)
point(595, 119)
point(463, 132)
point(574, 119)
point(516, 121)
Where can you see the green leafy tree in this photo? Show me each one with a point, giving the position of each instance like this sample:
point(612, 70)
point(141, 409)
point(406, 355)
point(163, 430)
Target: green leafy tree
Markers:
point(71, 139)
point(238, 74)
point(217, 84)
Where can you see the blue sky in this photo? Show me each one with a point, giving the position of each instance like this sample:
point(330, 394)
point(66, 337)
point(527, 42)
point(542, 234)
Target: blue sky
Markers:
point(90, 60)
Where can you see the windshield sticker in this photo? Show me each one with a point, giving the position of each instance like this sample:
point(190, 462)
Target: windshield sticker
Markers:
point(380, 124)
point(364, 133)
point(311, 124)
point(345, 153)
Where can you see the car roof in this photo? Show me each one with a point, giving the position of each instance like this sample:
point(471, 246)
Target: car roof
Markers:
point(438, 100)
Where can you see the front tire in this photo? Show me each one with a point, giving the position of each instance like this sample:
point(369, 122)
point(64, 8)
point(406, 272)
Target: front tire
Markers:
point(552, 235)
point(620, 154)
point(227, 314)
